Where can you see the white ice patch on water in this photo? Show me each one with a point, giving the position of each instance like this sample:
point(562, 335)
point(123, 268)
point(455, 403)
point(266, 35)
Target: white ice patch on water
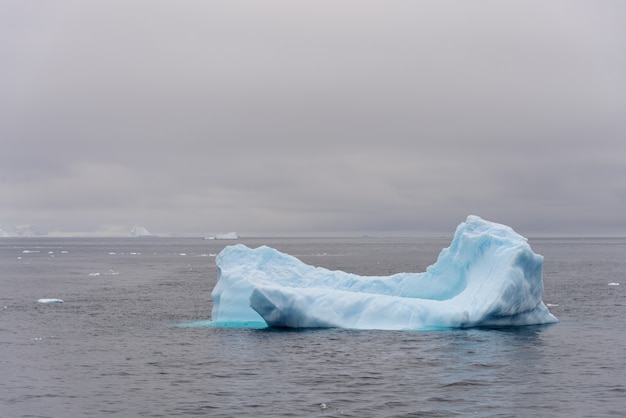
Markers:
point(50, 301)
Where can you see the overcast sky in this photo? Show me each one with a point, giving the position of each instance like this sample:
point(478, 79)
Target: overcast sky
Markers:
point(199, 117)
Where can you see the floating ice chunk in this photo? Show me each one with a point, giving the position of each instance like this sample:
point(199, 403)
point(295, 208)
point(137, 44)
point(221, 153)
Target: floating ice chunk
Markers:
point(488, 276)
point(613, 284)
point(50, 301)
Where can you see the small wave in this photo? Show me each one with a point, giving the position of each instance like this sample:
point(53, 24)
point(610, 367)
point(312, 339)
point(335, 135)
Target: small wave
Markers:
point(211, 324)
point(468, 382)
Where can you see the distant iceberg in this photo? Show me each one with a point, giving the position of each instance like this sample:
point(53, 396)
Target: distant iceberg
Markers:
point(140, 231)
point(488, 276)
point(228, 235)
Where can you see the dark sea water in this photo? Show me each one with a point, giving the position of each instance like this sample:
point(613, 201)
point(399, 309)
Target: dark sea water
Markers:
point(113, 348)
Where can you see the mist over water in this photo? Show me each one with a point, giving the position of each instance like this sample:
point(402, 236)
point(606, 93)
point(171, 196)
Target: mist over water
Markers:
point(114, 348)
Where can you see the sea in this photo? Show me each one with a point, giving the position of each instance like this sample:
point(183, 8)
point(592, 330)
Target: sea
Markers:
point(131, 338)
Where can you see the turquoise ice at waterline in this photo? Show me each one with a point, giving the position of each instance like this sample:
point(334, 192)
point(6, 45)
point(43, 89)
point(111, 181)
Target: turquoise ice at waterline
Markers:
point(488, 276)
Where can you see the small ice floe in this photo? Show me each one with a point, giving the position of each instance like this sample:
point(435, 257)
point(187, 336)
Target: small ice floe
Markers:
point(135, 253)
point(48, 301)
point(94, 274)
point(551, 305)
point(30, 252)
point(613, 284)
point(42, 338)
point(182, 254)
point(111, 253)
point(112, 272)
point(64, 252)
point(323, 406)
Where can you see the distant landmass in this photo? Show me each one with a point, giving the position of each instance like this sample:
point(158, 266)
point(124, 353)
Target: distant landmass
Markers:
point(228, 235)
point(21, 231)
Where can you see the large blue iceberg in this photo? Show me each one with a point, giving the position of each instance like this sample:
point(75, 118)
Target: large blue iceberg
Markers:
point(488, 276)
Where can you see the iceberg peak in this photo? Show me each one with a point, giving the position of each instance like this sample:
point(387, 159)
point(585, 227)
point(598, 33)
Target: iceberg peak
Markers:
point(488, 276)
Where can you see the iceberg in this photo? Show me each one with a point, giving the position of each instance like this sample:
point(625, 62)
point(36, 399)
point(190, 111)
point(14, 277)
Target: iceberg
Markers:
point(140, 231)
point(487, 277)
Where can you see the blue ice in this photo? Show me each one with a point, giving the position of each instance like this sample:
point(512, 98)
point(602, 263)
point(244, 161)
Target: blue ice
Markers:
point(488, 276)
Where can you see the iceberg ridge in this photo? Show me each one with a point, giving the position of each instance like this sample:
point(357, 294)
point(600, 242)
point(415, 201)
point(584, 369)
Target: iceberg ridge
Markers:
point(488, 276)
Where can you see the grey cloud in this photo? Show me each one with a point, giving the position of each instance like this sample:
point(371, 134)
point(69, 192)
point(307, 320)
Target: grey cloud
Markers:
point(195, 116)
